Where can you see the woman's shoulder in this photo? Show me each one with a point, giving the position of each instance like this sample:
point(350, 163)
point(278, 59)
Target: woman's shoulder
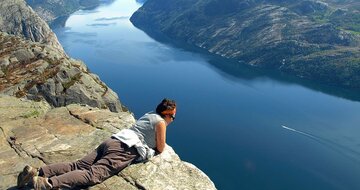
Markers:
point(151, 116)
point(156, 118)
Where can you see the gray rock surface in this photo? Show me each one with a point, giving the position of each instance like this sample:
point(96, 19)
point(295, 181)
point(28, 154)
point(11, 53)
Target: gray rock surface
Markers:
point(17, 18)
point(34, 133)
point(39, 71)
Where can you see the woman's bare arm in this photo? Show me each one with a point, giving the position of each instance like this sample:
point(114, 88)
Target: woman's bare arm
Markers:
point(160, 136)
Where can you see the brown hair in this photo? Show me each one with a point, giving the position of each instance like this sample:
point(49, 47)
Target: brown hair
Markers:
point(165, 104)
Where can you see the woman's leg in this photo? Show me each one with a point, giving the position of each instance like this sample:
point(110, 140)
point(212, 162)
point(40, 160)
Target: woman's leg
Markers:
point(82, 164)
point(29, 172)
point(115, 157)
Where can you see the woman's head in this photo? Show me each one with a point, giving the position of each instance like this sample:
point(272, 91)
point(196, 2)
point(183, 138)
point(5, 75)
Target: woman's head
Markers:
point(166, 108)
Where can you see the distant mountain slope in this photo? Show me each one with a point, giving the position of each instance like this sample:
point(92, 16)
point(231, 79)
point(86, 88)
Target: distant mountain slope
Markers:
point(317, 40)
point(19, 19)
point(55, 12)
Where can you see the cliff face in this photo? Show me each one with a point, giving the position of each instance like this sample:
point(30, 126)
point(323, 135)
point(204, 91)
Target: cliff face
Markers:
point(43, 70)
point(19, 19)
point(318, 40)
point(39, 71)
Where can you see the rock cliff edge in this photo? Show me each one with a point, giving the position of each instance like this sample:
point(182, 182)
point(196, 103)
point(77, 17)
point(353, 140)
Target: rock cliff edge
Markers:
point(34, 133)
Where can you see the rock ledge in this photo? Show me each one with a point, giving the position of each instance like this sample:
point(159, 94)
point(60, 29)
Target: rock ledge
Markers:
point(34, 133)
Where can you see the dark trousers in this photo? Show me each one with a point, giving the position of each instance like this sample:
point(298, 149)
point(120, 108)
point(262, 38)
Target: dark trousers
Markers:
point(108, 159)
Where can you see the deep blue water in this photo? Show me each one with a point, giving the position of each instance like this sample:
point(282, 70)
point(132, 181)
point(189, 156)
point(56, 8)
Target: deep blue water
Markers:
point(243, 128)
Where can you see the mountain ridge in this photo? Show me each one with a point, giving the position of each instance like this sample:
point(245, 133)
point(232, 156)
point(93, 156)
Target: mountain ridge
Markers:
point(294, 37)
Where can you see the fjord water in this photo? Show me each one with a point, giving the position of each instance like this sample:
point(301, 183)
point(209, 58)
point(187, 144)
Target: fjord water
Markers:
point(244, 129)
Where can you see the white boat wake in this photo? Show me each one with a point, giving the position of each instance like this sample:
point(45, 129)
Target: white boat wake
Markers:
point(343, 150)
point(300, 132)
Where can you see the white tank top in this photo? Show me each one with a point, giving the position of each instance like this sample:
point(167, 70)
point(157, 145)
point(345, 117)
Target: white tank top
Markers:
point(145, 128)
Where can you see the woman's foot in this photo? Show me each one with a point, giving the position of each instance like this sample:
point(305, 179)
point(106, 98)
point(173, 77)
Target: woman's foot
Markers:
point(26, 176)
point(41, 183)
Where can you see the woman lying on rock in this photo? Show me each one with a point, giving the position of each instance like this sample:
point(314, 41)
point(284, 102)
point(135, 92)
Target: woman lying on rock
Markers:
point(110, 157)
